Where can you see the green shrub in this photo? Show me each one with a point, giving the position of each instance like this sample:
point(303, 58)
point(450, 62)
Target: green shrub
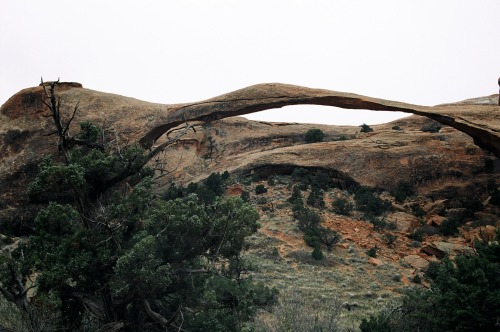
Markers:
point(317, 254)
point(379, 224)
point(315, 199)
point(377, 323)
point(464, 295)
point(432, 127)
point(215, 183)
point(245, 196)
point(450, 225)
point(271, 181)
point(261, 200)
point(432, 270)
point(366, 128)
point(403, 190)
point(372, 252)
point(296, 197)
point(309, 219)
point(342, 206)
point(260, 189)
point(314, 135)
point(368, 203)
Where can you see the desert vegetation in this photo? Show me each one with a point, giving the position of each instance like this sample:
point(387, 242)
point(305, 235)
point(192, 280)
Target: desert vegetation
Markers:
point(314, 135)
point(107, 255)
point(305, 249)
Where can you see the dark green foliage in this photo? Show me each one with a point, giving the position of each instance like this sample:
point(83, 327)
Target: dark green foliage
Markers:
point(314, 135)
point(418, 211)
point(396, 128)
point(107, 253)
point(207, 191)
point(271, 181)
point(315, 178)
point(378, 323)
point(403, 190)
point(450, 225)
point(296, 197)
point(320, 180)
point(245, 196)
point(464, 296)
point(472, 205)
point(378, 223)
point(366, 128)
point(317, 254)
point(174, 192)
point(300, 174)
point(315, 198)
point(432, 270)
point(372, 252)
point(225, 176)
point(432, 127)
point(89, 132)
point(342, 206)
point(309, 219)
point(261, 200)
point(215, 184)
point(57, 182)
point(260, 189)
point(370, 204)
point(316, 235)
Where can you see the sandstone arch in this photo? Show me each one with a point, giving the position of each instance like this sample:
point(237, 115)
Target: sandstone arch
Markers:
point(478, 118)
point(24, 126)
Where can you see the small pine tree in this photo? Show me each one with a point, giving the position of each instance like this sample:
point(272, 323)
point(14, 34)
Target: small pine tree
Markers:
point(260, 189)
point(342, 206)
point(314, 135)
point(366, 128)
point(317, 254)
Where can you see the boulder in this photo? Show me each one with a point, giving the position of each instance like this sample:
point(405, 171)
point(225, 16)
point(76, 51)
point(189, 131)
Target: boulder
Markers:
point(375, 262)
point(416, 261)
point(437, 207)
point(441, 249)
point(435, 220)
point(406, 222)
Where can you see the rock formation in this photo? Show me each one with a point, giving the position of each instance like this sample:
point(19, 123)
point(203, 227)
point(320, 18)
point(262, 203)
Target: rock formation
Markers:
point(246, 147)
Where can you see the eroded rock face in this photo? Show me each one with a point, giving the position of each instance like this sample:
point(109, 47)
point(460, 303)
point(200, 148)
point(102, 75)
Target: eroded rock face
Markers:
point(244, 147)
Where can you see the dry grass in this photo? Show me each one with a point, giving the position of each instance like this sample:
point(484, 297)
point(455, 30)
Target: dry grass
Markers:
point(345, 277)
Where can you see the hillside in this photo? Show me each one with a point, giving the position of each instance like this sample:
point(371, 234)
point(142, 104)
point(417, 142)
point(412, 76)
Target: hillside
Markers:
point(450, 170)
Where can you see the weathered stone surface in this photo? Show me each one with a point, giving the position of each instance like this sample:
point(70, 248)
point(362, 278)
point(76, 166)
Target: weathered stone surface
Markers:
point(406, 222)
point(245, 147)
point(435, 220)
point(437, 207)
point(375, 261)
point(440, 249)
point(416, 261)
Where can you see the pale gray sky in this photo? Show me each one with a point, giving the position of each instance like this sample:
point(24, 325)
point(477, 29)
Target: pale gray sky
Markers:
point(424, 52)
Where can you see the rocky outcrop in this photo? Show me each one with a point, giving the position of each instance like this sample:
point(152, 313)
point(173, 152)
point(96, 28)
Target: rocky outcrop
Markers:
point(441, 249)
point(478, 120)
point(245, 147)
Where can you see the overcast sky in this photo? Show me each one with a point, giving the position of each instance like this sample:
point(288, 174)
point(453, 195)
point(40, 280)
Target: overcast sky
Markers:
point(423, 52)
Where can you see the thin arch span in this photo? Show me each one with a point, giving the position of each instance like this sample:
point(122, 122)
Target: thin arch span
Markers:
point(471, 119)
